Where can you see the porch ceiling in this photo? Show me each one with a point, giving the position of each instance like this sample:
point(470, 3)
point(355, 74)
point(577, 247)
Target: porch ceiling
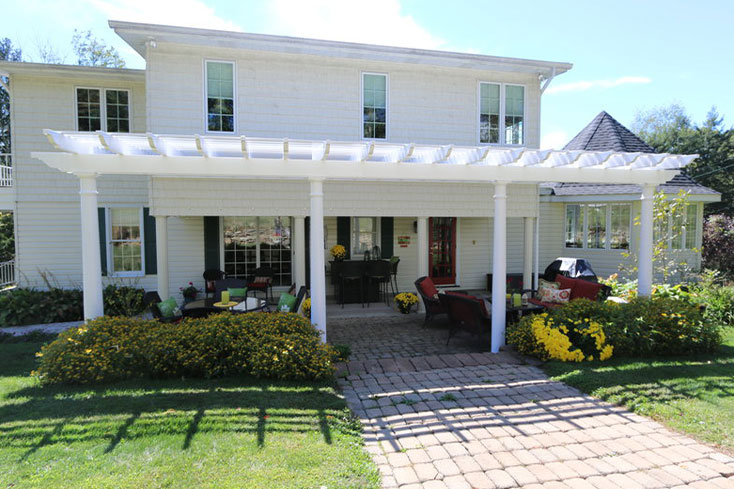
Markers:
point(85, 153)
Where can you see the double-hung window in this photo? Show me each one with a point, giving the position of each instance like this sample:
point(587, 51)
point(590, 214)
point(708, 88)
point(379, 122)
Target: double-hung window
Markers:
point(125, 245)
point(364, 234)
point(220, 96)
point(501, 113)
point(374, 106)
point(598, 226)
point(102, 110)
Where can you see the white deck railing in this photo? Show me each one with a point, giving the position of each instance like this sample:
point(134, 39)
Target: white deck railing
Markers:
point(7, 273)
point(6, 170)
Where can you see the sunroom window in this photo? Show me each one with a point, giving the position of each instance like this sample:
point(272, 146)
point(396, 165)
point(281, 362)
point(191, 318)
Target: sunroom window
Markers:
point(598, 226)
point(220, 96)
point(574, 226)
point(374, 106)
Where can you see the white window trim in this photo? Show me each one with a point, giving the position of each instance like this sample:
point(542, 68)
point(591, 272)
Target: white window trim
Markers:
point(378, 234)
point(502, 86)
point(257, 245)
point(669, 244)
point(108, 241)
point(103, 106)
point(387, 105)
point(205, 95)
point(585, 224)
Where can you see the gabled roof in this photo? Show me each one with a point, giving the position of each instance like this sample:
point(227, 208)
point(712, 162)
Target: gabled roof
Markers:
point(138, 34)
point(605, 133)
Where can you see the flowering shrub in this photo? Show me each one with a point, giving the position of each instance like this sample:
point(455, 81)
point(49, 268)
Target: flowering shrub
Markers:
point(278, 345)
point(572, 341)
point(306, 308)
point(338, 251)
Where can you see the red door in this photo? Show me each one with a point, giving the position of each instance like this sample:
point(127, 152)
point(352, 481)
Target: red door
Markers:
point(442, 250)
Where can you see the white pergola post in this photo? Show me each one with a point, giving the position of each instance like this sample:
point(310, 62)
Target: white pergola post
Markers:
point(299, 251)
point(318, 272)
point(91, 265)
point(422, 246)
point(499, 266)
point(527, 266)
point(644, 265)
point(161, 252)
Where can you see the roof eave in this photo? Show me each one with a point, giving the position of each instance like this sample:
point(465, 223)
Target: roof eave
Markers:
point(9, 68)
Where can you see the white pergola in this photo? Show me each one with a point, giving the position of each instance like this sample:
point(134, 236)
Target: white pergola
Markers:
point(88, 155)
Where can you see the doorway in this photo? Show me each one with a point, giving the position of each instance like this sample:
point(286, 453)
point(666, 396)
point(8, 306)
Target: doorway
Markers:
point(442, 250)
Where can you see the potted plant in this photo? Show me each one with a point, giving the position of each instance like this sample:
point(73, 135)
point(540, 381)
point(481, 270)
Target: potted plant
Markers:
point(306, 308)
point(339, 252)
point(406, 301)
point(189, 292)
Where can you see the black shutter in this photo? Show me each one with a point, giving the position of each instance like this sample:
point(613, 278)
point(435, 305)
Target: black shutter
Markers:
point(386, 236)
point(151, 255)
point(102, 239)
point(344, 233)
point(211, 243)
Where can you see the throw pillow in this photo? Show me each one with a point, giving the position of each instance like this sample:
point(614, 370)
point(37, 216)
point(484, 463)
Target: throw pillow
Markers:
point(558, 296)
point(429, 289)
point(286, 303)
point(168, 307)
point(544, 284)
point(237, 292)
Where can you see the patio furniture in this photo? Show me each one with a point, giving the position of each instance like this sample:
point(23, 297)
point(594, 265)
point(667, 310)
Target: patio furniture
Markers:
point(205, 307)
point(151, 300)
point(352, 294)
point(570, 267)
point(394, 262)
point(429, 295)
point(210, 276)
point(514, 282)
point(351, 272)
point(580, 288)
point(466, 313)
point(262, 280)
point(378, 272)
point(227, 283)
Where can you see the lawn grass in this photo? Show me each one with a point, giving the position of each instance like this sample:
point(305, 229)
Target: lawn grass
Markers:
point(223, 433)
point(694, 395)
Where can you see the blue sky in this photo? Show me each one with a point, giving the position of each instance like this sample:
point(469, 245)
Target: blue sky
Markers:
point(627, 55)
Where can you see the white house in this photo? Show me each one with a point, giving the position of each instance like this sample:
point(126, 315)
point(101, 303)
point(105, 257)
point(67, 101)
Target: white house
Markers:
point(230, 148)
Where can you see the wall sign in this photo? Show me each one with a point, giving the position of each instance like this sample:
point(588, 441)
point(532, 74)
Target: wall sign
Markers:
point(403, 241)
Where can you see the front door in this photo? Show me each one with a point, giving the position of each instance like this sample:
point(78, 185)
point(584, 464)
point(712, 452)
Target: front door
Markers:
point(442, 250)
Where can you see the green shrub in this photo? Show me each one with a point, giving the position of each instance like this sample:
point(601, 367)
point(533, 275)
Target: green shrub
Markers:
point(342, 352)
point(279, 345)
point(521, 336)
point(719, 302)
point(123, 300)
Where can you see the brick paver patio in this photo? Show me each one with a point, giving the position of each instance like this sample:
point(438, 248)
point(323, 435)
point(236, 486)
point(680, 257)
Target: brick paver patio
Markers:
point(474, 421)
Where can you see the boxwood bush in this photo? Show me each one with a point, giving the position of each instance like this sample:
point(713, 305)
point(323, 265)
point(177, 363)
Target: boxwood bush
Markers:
point(642, 327)
point(278, 345)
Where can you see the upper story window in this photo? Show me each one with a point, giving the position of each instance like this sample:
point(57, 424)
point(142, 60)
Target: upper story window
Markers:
point(93, 115)
point(125, 246)
point(598, 226)
point(219, 96)
point(374, 106)
point(364, 234)
point(501, 113)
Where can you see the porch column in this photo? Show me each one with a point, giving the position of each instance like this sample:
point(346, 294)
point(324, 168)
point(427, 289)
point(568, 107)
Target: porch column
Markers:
point(299, 251)
point(499, 266)
point(161, 252)
point(644, 261)
point(91, 265)
point(527, 267)
point(318, 273)
point(422, 246)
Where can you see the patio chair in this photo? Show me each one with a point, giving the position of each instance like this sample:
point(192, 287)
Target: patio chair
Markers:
point(299, 298)
point(227, 283)
point(350, 272)
point(151, 299)
point(210, 276)
point(262, 280)
point(394, 262)
point(429, 295)
point(378, 271)
point(466, 313)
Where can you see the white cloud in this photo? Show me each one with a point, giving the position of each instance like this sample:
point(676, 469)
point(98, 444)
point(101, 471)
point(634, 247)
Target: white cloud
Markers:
point(554, 140)
point(186, 13)
point(374, 22)
point(581, 86)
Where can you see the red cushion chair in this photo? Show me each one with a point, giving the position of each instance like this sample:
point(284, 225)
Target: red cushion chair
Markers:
point(465, 313)
point(429, 294)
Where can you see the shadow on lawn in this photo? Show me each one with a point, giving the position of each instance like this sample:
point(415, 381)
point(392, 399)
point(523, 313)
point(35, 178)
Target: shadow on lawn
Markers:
point(38, 417)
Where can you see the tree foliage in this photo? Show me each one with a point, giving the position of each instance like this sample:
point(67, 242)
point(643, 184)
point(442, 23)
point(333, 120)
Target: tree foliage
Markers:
point(7, 236)
point(718, 244)
point(670, 130)
point(91, 51)
point(9, 53)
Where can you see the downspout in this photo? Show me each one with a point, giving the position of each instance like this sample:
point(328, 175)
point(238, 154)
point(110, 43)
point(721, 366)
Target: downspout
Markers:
point(537, 237)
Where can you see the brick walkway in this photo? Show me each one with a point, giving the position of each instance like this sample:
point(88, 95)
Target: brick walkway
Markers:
point(479, 423)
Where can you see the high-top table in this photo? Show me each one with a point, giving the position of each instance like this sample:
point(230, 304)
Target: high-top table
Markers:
point(351, 291)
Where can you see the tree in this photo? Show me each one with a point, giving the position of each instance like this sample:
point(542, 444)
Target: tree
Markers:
point(7, 236)
point(9, 53)
point(91, 51)
point(718, 243)
point(670, 130)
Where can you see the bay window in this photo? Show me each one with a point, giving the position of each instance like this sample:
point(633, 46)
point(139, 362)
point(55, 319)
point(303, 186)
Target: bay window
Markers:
point(252, 242)
point(598, 226)
point(501, 113)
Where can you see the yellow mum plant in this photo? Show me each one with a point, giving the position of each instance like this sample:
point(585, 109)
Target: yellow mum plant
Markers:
point(339, 252)
point(575, 342)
